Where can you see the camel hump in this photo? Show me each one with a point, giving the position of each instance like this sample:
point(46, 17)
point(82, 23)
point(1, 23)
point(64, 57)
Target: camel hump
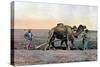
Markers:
point(67, 26)
point(69, 29)
point(59, 29)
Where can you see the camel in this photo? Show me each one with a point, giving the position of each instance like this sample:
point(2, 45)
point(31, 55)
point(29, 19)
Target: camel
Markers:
point(64, 33)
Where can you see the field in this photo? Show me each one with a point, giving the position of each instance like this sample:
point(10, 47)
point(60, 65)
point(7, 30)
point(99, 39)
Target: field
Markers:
point(30, 57)
point(40, 36)
point(21, 56)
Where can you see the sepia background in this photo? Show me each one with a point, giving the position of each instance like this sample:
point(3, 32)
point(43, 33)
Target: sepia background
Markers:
point(45, 15)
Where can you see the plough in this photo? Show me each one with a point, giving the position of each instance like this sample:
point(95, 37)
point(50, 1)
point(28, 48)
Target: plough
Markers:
point(46, 44)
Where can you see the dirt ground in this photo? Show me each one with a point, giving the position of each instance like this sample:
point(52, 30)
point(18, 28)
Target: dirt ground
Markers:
point(30, 57)
point(34, 56)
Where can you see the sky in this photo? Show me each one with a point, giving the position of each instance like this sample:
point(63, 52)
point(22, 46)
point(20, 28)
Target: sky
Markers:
point(29, 15)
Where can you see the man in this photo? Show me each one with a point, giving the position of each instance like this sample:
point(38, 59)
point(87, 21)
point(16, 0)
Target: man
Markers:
point(28, 38)
point(85, 39)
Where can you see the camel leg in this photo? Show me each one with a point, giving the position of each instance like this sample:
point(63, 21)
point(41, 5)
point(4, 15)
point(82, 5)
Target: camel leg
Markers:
point(72, 42)
point(67, 46)
point(51, 42)
point(68, 42)
point(46, 46)
point(62, 41)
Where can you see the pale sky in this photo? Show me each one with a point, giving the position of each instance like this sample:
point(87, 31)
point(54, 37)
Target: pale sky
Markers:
point(46, 15)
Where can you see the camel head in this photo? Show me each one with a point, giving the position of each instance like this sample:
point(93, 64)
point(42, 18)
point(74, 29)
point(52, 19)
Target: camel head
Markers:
point(79, 30)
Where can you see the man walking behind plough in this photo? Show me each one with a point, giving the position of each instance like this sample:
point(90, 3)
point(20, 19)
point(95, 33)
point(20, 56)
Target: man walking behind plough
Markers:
point(28, 38)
